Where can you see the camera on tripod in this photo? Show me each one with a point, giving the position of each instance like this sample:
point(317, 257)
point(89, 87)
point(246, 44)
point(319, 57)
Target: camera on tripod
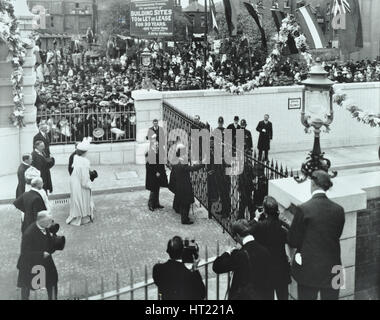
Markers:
point(190, 251)
point(58, 241)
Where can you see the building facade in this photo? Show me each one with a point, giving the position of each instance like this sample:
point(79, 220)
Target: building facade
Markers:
point(66, 16)
point(195, 13)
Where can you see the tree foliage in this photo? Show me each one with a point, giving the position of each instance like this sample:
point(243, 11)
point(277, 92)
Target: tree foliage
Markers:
point(116, 18)
point(248, 26)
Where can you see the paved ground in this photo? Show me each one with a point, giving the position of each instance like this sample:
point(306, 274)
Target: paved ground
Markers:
point(124, 236)
point(111, 177)
point(341, 158)
point(118, 177)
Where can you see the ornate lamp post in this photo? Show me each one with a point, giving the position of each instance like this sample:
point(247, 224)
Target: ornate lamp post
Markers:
point(317, 112)
point(146, 62)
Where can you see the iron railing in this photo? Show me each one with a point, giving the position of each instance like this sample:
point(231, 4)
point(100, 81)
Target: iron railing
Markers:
point(226, 197)
point(216, 285)
point(104, 126)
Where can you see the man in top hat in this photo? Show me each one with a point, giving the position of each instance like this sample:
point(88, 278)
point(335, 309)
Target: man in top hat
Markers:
point(181, 185)
point(248, 144)
point(315, 233)
point(25, 164)
point(43, 163)
point(43, 136)
point(156, 134)
point(155, 177)
point(36, 261)
point(219, 182)
point(233, 127)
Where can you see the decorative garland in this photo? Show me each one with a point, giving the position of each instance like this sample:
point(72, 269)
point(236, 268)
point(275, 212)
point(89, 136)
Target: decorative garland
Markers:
point(10, 35)
point(289, 27)
point(341, 100)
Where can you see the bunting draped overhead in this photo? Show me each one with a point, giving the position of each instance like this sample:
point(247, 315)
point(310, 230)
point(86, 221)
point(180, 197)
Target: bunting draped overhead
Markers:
point(310, 27)
point(252, 11)
point(351, 35)
point(232, 9)
point(215, 26)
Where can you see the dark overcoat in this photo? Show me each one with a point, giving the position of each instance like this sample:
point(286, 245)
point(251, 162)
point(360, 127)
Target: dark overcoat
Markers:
point(21, 179)
point(264, 137)
point(152, 182)
point(33, 245)
point(315, 231)
point(182, 186)
point(44, 164)
point(30, 203)
point(270, 234)
point(258, 270)
point(176, 282)
point(46, 141)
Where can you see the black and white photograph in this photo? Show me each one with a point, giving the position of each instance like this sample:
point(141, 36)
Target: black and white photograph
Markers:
point(205, 152)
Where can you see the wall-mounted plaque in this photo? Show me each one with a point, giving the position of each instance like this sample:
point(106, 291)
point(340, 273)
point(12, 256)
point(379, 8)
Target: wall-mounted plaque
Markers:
point(294, 103)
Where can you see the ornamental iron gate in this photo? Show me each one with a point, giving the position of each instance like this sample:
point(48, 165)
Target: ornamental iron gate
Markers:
point(226, 197)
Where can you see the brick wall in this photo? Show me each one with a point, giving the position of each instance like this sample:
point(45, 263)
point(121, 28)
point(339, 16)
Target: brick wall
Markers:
point(367, 280)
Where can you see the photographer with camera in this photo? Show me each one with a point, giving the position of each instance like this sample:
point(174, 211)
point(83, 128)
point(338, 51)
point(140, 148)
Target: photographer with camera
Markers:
point(268, 230)
point(35, 264)
point(251, 264)
point(179, 278)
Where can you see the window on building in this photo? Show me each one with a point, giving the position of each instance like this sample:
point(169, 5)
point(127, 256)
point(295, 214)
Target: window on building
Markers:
point(52, 21)
point(203, 22)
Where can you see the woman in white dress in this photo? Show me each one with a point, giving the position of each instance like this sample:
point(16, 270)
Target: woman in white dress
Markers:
point(81, 202)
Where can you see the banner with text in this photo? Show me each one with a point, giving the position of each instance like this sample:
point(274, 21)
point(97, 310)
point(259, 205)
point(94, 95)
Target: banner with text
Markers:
point(152, 18)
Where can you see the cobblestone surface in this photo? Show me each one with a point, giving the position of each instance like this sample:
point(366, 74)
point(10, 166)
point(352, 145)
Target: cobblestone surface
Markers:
point(125, 236)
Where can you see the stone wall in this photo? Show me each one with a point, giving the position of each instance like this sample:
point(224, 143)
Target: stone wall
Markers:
point(368, 252)
point(288, 131)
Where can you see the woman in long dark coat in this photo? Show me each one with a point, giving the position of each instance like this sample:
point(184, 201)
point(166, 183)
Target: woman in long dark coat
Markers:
point(155, 177)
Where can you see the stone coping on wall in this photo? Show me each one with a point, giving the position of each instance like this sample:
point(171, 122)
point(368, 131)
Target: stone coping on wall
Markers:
point(217, 92)
point(261, 90)
point(358, 85)
point(354, 191)
point(368, 182)
point(287, 191)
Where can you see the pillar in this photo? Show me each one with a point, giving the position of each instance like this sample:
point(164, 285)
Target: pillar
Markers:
point(148, 106)
point(26, 134)
point(14, 141)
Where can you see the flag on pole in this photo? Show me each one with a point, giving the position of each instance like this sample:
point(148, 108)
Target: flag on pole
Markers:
point(351, 38)
point(231, 8)
point(341, 7)
point(278, 16)
point(213, 16)
point(310, 28)
point(254, 14)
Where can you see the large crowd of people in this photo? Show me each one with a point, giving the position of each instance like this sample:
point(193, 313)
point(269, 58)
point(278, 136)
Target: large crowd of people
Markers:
point(79, 91)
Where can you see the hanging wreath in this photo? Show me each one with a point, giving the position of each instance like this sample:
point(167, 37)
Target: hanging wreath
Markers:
point(10, 35)
point(289, 27)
